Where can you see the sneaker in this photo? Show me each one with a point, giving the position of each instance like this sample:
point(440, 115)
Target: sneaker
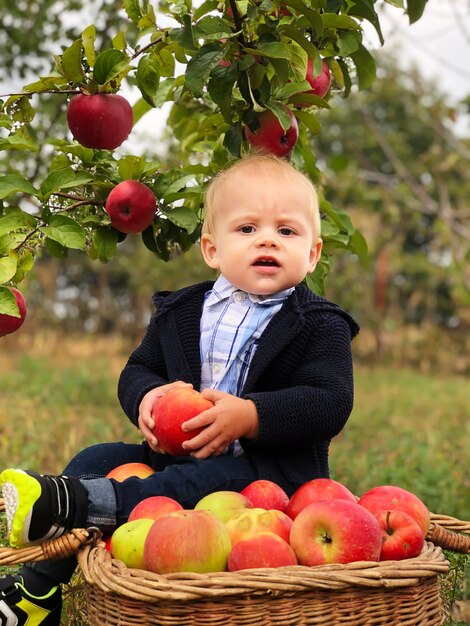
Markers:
point(20, 608)
point(41, 507)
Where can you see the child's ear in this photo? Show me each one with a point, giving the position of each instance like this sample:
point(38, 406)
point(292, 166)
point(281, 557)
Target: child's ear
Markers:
point(315, 254)
point(209, 251)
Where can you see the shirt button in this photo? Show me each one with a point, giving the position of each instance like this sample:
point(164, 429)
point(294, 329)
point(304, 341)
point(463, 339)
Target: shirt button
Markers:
point(240, 296)
point(216, 368)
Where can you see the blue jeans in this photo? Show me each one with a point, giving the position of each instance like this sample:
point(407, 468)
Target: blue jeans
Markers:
point(185, 479)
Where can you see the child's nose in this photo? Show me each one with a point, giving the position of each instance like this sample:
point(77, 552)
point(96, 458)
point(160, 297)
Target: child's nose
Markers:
point(267, 239)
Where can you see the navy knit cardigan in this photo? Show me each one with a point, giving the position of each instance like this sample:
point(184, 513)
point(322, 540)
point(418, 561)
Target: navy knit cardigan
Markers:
point(300, 378)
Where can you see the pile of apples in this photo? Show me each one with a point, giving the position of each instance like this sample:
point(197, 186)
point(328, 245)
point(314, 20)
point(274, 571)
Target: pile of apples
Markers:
point(261, 527)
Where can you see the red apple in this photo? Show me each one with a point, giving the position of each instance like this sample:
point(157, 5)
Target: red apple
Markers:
point(131, 206)
point(100, 121)
point(265, 494)
point(223, 504)
point(320, 83)
point(263, 550)
point(154, 507)
point(314, 490)
point(128, 470)
point(11, 323)
point(335, 531)
point(270, 137)
point(251, 522)
point(169, 413)
point(128, 541)
point(389, 497)
point(402, 537)
point(187, 541)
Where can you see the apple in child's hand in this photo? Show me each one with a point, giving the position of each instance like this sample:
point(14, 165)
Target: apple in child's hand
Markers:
point(251, 522)
point(263, 550)
point(265, 494)
point(271, 137)
point(389, 497)
point(171, 411)
point(223, 504)
point(11, 323)
point(187, 541)
point(402, 536)
point(335, 531)
point(314, 490)
point(127, 542)
point(154, 507)
point(131, 206)
point(128, 470)
point(100, 121)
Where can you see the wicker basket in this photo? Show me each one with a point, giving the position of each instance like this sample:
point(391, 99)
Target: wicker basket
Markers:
point(404, 593)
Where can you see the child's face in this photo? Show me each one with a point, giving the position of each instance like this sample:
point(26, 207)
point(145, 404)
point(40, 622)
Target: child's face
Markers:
point(263, 239)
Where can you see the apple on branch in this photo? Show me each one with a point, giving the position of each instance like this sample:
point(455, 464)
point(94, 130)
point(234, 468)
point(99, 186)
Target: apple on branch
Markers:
point(100, 121)
point(270, 137)
point(10, 323)
point(169, 413)
point(335, 531)
point(131, 206)
point(320, 83)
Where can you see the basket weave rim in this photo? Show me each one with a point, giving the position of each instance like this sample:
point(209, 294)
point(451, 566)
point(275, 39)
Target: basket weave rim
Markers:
point(102, 571)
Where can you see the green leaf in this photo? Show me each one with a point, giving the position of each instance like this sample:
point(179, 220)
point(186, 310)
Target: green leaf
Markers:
point(15, 220)
point(212, 28)
point(312, 15)
point(233, 140)
point(45, 83)
point(8, 266)
point(183, 36)
point(65, 231)
point(365, 67)
point(340, 22)
point(55, 249)
point(63, 179)
point(119, 41)
point(105, 241)
point(148, 78)
point(25, 264)
point(13, 183)
point(132, 8)
point(296, 35)
point(183, 217)
point(8, 305)
point(272, 49)
point(108, 65)
point(88, 42)
point(365, 9)
point(131, 167)
point(71, 62)
point(415, 9)
point(199, 68)
point(279, 110)
point(310, 121)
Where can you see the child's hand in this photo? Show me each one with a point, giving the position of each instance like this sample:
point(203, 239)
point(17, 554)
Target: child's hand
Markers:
point(229, 419)
point(145, 421)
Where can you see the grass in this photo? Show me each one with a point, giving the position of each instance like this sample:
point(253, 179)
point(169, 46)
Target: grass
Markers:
point(407, 428)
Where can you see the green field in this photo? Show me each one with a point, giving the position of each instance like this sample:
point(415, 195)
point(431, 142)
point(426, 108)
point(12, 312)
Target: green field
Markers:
point(407, 428)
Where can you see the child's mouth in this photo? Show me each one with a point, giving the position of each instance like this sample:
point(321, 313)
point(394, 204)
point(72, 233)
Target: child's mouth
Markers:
point(266, 262)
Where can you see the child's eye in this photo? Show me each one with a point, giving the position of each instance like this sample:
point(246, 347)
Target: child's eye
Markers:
point(285, 231)
point(246, 229)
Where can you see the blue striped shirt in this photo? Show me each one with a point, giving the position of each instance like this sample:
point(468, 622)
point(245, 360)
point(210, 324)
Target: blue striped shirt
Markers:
point(231, 323)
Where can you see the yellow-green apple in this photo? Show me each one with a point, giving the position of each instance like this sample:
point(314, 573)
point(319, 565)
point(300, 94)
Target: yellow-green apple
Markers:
point(335, 531)
point(187, 541)
point(131, 206)
point(314, 490)
point(171, 411)
point(271, 137)
point(127, 542)
point(100, 121)
point(223, 503)
point(11, 323)
point(154, 507)
point(389, 497)
point(263, 550)
point(251, 522)
point(402, 537)
point(128, 470)
point(265, 494)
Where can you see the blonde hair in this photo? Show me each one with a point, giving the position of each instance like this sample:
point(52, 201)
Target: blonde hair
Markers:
point(260, 163)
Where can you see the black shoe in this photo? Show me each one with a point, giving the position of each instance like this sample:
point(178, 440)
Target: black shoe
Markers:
point(20, 608)
point(41, 507)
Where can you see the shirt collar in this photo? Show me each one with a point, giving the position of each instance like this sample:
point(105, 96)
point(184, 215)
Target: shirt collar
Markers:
point(223, 289)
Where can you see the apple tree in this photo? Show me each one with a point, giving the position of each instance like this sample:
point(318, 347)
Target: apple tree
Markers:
point(240, 75)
